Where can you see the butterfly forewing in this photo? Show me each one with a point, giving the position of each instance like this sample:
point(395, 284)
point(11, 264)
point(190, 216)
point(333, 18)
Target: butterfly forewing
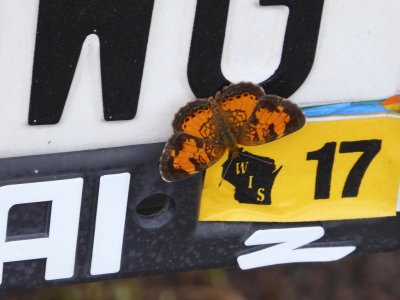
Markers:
point(272, 118)
point(235, 89)
point(237, 103)
point(196, 119)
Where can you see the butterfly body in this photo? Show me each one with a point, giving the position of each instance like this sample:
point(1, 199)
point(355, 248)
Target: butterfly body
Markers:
point(240, 114)
point(223, 124)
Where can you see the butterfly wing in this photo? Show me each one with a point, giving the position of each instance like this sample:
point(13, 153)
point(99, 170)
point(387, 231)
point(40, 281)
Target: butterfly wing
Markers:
point(196, 119)
point(273, 117)
point(195, 145)
point(186, 155)
point(237, 103)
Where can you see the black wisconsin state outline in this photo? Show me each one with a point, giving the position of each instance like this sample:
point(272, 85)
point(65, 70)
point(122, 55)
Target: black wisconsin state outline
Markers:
point(252, 176)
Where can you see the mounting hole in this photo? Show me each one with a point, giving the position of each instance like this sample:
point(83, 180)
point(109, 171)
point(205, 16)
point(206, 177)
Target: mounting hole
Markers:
point(153, 205)
point(155, 210)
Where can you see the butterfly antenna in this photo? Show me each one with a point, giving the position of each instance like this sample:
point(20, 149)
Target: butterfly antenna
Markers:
point(226, 171)
point(252, 157)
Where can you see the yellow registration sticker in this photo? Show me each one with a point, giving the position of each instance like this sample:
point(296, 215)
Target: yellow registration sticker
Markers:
point(332, 169)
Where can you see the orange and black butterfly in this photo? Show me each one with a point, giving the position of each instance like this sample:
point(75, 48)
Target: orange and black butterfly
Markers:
point(239, 114)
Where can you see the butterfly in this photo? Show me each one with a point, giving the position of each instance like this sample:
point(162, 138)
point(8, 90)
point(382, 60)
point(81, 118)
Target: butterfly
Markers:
point(239, 114)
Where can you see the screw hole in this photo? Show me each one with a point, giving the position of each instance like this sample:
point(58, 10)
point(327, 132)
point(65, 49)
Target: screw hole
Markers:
point(155, 210)
point(153, 205)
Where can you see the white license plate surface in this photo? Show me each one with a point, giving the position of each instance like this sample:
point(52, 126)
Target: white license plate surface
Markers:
point(356, 59)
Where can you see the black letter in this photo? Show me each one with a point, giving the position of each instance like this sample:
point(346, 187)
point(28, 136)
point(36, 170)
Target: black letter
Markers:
point(122, 27)
point(300, 43)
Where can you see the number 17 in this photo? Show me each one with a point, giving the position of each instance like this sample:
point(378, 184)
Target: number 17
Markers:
point(325, 157)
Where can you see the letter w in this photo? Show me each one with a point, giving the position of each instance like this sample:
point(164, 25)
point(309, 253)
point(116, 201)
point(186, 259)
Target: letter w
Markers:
point(289, 240)
point(241, 167)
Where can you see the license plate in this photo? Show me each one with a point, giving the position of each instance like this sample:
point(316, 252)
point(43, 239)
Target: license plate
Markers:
point(170, 56)
point(88, 91)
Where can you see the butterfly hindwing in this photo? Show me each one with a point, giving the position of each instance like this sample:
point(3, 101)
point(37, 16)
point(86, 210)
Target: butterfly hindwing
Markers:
point(272, 118)
point(186, 155)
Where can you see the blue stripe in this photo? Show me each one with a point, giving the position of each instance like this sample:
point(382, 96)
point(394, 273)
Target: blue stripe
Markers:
point(349, 108)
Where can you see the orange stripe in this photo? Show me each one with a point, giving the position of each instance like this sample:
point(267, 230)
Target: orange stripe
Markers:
point(391, 100)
